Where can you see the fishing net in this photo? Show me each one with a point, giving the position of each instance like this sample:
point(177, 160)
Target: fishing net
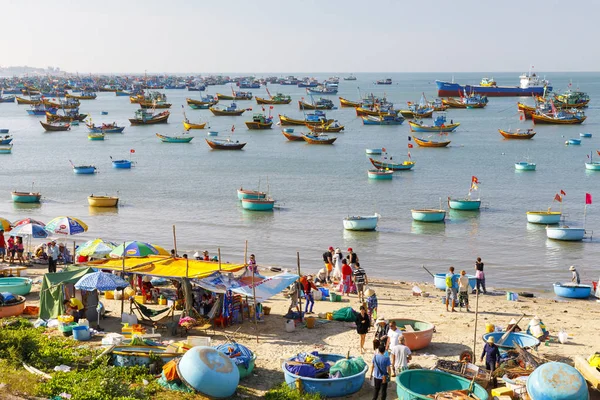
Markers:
point(348, 367)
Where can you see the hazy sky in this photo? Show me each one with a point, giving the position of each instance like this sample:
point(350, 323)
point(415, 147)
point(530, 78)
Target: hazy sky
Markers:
point(301, 36)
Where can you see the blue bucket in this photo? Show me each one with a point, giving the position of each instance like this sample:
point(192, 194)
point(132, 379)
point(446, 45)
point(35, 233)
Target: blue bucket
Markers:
point(81, 333)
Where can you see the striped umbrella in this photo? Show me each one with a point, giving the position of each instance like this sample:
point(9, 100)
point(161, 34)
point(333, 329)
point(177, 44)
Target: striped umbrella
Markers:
point(137, 249)
point(96, 248)
point(33, 230)
point(66, 226)
point(5, 225)
point(28, 221)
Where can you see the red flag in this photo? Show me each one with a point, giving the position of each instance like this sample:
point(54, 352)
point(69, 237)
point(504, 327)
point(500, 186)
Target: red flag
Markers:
point(232, 128)
point(474, 179)
point(521, 117)
point(383, 149)
point(563, 192)
point(409, 154)
point(262, 108)
point(271, 107)
point(558, 198)
point(410, 146)
point(588, 198)
point(132, 151)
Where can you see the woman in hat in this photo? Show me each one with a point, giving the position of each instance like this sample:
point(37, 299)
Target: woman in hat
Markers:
point(575, 278)
point(381, 333)
point(511, 324)
point(363, 324)
point(371, 303)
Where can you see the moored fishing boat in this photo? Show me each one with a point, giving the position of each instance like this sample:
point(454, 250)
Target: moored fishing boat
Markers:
point(591, 164)
point(387, 81)
point(279, 98)
point(232, 110)
point(34, 100)
point(84, 169)
point(424, 384)
point(225, 144)
point(380, 174)
point(96, 136)
point(320, 104)
point(322, 90)
point(204, 103)
point(349, 103)
point(315, 119)
point(250, 194)
point(565, 233)
point(575, 142)
point(428, 215)
point(468, 101)
point(13, 309)
point(572, 290)
point(259, 122)
point(121, 164)
point(558, 117)
point(289, 134)
point(528, 134)
point(544, 217)
point(261, 204)
point(82, 96)
point(103, 201)
point(145, 117)
point(385, 164)
point(430, 143)
point(16, 285)
point(69, 116)
point(235, 96)
point(375, 151)
point(55, 127)
point(174, 139)
point(69, 104)
point(6, 149)
point(7, 139)
point(439, 125)
point(382, 119)
point(318, 139)
point(154, 104)
point(105, 128)
point(360, 223)
point(40, 109)
point(25, 197)
point(332, 127)
point(585, 135)
point(187, 125)
point(7, 99)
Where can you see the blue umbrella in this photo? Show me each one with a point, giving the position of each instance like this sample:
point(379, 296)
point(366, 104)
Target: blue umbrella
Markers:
point(34, 230)
point(101, 281)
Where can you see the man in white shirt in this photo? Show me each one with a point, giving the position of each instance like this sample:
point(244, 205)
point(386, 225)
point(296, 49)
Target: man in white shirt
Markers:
point(400, 356)
point(394, 335)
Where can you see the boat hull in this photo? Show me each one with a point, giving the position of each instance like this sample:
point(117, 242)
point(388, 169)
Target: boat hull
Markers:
point(103, 201)
point(187, 126)
point(121, 164)
point(13, 310)
point(511, 135)
point(449, 89)
point(414, 127)
point(542, 119)
point(16, 286)
point(361, 223)
point(566, 234)
point(174, 139)
point(421, 335)
point(406, 165)
point(20, 197)
point(258, 125)
point(84, 170)
point(464, 204)
point(348, 103)
point(160, 119)
point(430, 143)
point(250, 194)
point(544, 217)
point(224, 145)
point(573, 292)
point(289, 134)
point(593, 166)
point(419, 384)
point(318, 140)
point(258, 204)
point(374, 151)
point(225, 113)
point(429, 215)
point(525, 166)
point(381, 175)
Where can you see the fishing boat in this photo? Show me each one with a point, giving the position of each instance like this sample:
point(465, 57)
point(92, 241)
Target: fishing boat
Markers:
point(262, 204)
point(174, 139)
point(13, 309)
point(289, 134)
point(320, 104)
point(121, 164)
point(40, 109)
point(55, 127)
point(387, 81)
point(565, 233)
point(572, 290)
point(417, 114)
point(6, 149)
point(7, 99)
point(375, 110)
point(84, 169)
point(405, 165)
point(250, 194)
point(145, 117)
point(592, 165)
point(318, 139)
point(471, 101)
point(525, 166)
point(103, 201)
point(571, 99)
point(225, 144)
point(82, 96)
point(333, 127)
point(70, 104)
point(316, 118)
point(585, 135)
point(466, 203)
point(374, 151)
point(530, 84)
point(573, 142)
point(231, 110)
point(518, 134)
point(260, 121)
point(322, 90)
point(430, 143)
point(558, 117)
point(544, 217)
point(7, 139)
point(235, 96)
point(204, 103)
point(380, 174)
point(16, 285)
point(69, 116)
point(279, 98)
point(350, 78)
point(349, 103)
point(95, 136)
point(34, 100)
point(154, 104)
point(358, 223)
point(105, 128)
point(428, 215)
point(25, 197)
point(425, 384)
point(382, 119)
point(439, 125)
point(187, 125)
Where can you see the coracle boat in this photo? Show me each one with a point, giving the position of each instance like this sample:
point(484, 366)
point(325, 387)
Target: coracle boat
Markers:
point(425, 384)
point(187, 125)
point(439, 125)
point(121, 164)
point(84, 169)
point(145, 117)
point(250, 194)
point(349, 103)
point(321, 104)
point(25, 197)
point(236, 96)
point(95, 136)
point(405, 165)
point(358, 223)
point(439, 280)
point(69, 117)
point(375, 151)
point(428, 215)
point(16, 286)
point(466, 204)
point(522, 339)
point(55, 127)
point(6, 149)
point(225, 144)
point(572, 291)
point(318, 118)
point(557, 381)
point(333, 127)
point(259, 122)
point(230, 110)
point(430, 143)
point(339, 387)
point(418, 334)
point(13, 309)
point(380, 174)
point(105, 128)
point(525, 166)
point(204, 103)
point(565, 233)
point(517, 134)
point(544, 217)
point(262, 204)
point(592, 165)
point(318, 139)
point(103, 201)
point(289, 134)
point(382, 119)
point(174, 139)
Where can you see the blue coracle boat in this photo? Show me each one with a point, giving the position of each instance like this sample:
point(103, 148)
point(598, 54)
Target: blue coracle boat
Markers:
point(121, 164)
point(522, 339)
point(575, 142)
point(565, 233)
point(439, 281)
point(265, 204)
point(421, 383)
point(84, 169)
point(428, 215)
point(557, 381)
point(464, 204)
point(585, 135)
point(572, 291)
point(16, 286)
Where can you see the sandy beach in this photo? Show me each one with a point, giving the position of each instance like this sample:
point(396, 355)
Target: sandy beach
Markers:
point(454, 332)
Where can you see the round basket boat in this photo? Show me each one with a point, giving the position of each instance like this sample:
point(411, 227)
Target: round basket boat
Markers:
point(327, 387)
point(16, 286)
point(522, 339)
point(557, 381)
point(440, 281)
point(421, 383)
point(229, 348)
point(14, 309)
point(418, 334)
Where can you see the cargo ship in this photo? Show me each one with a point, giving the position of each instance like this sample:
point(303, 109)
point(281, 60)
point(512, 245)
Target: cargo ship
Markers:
point(530, 85)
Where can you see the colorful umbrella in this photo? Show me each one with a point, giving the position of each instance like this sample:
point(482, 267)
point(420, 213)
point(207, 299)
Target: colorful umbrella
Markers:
point(66, 226)
point(5, 225)
point(27, 221)
point(33, 230)
point(102, 281)
point(96, 248)
point(137, 249)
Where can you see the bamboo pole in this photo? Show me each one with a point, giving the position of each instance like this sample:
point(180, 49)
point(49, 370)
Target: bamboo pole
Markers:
point(255, 304)
point(74, 258)
point(299, 297)
point(123, 273)
point(246, 254)
point(219, 255)
point(174, 241)
point(475, 329)
point(187, 304)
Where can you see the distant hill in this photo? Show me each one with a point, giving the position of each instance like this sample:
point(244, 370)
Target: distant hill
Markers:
point(25, 70)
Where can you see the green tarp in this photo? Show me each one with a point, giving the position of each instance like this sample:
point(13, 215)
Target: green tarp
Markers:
point(52, 293)
point(345, 314)
point(348, 367)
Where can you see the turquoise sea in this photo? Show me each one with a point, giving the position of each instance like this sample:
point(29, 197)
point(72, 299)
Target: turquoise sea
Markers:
point(194, 188)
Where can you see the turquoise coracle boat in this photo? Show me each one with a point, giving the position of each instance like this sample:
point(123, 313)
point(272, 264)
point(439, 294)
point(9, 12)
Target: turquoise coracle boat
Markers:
point(265, 204)
point(421, 383)
point(428, 215)
point(24, 197)
point(464, 204)
point(16, 286)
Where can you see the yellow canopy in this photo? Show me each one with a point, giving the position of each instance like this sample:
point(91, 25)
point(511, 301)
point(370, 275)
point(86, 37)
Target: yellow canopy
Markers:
point(166, 267)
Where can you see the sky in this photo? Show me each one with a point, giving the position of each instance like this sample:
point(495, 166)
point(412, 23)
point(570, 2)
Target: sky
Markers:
point(260, 36)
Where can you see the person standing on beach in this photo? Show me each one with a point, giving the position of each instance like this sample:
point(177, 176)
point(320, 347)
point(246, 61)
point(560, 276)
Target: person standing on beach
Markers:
point(360, 278)
point(394, 334)
point(352, 257)
point(381, 333)
point(308, 286)
point(327, 259)
point(11, 250)
point(450, 289)
point(346, 278)
point(463, 290)
point(371, 303)
point(252, 267)
point(575, 278)
point(52, 256)
point(2, 245)
point(20, 250)
point(380, 372)
point(400, 356)
point(363, 324)
point(294, 293)
point(337, 265)
point(492, 356)
point(480, 276)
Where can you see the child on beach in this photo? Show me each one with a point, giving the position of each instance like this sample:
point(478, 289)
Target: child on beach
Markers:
point(371, 304)
point(346, 278)
point(463, 290)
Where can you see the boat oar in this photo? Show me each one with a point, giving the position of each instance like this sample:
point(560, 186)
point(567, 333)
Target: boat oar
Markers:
point(433, 276)
point(503, 338)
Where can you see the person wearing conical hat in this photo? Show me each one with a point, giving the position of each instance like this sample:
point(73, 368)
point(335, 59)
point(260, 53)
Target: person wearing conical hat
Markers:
point(491, 353)
point(575, 278)
point(513, 322)
point(371, 303)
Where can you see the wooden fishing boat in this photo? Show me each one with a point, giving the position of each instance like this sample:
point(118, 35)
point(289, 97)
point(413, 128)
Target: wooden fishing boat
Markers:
point(225, 144)
point(289, 134)
point(250, 194)
point(6, 149)
point(465, 102)
point(65, 118)
point(40, 109)
point(63, 105)
point(174, 139)
point(34, 102)
point(279, 98)
point(187, 125)
point(55, 127)
point(143, 117)
point(572, 290)
point(349, 103)
point(231, 111)
point(373, 111)
point(263, 204)
point(439, 125)
point(430, 143)
point(103, 201)
point(358, 223)
point(154, 105)
point(318, 139)
point(105, 128)
point(333, 127)
point(405, 165)
point(25, 197)
point(380, 174)
point(428, 215)
point(425, 384)
point(136, 99)
point(95, 136)
point(84, 169)
point(318, 118)
point(382, 119)
point(7, 99)
point(559, 118)
point(204, 104)
point(259, 122)
point(517, 134)
point(416, 114)
point(83, 96)
point(236, 96)
point(13, 309)
point(321, 104)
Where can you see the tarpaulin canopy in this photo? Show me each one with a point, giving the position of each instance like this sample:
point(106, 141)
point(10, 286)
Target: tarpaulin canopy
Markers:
point(266, 287)
point(52, 293)
point(166, 267)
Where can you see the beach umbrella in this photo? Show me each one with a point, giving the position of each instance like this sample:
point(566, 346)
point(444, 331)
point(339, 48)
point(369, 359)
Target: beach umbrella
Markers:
point(102, 281)
point(66, 226)
point(28, 221)
point(137, 249)
point(5, 225)
point(96, 248)
point(33, 230)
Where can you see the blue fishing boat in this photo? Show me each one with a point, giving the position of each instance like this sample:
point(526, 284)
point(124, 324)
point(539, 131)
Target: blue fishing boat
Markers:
point(105, 128)
point(572, 291)
point(544, 217)
point(530, 85)
point(439, 125)
point(358, 223)
point(250, 194)
point(374, 151)
point(428, 215)
point(465, 204)
point(565, 233)
point(6, 149)
point(84, 169)
point(557, 381)
point(380, 174)
point(174, 139)
point(25, 197)
point(128, 356)
point(522, 339)
point(420, 384)
point(41, 109)
point(16, 286)
point(383, 119)
point(585, 135)
point(575, 142)
point(525, 166)
point(439, 280)
point(338, 387)
point(7, 99)
point(5, 140)
point(263, 204)
point(3, 131)
point(387, 164)
point(121, 164)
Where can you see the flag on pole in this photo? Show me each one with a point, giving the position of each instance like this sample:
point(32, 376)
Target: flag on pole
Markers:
point(558, 198)
point(588, 198)
point(132, 151)
point(563, 192)
point(410, 146)
point(598, 151)
point(474, 179)
point(409, 154)
point(232, 128)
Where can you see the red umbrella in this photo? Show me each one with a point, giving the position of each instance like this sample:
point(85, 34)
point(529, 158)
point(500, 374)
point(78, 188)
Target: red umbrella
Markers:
point(27, 221)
